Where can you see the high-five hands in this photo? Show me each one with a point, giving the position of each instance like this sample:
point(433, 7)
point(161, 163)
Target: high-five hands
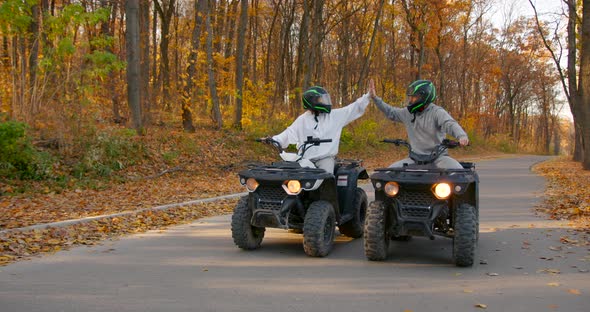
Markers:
point(372, 88)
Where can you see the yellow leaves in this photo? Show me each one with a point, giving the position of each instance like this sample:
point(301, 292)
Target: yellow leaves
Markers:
point(553, 284)
point(481, 306)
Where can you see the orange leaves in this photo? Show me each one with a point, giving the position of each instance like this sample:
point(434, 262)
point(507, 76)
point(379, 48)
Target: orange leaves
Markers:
point(567, 195)
point(18, 245)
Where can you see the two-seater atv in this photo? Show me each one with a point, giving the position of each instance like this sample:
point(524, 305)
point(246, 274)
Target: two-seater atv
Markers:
point(422, 200)
point(294, 194)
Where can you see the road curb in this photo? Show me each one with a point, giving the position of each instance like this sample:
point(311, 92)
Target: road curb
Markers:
point(120, 214)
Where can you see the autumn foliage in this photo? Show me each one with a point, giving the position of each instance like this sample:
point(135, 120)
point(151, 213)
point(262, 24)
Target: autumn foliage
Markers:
point(69, 148)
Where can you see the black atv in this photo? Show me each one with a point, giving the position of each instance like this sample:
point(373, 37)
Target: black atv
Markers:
point(423, 200)
point(294, 194)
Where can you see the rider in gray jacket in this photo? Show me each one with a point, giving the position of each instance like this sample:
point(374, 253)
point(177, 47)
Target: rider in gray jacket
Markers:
point(426, 123)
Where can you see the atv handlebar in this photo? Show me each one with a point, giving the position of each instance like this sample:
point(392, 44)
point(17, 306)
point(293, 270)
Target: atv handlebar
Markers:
point(424, 159)
point(446, 143)
point(316, 141)
point(311, 141)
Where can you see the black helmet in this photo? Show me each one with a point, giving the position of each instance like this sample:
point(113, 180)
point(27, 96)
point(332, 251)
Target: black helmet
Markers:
point(317, 99)
point(426, 93)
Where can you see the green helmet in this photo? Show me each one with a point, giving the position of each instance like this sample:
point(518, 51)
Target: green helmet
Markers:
point(317, 99)
point(426, 93)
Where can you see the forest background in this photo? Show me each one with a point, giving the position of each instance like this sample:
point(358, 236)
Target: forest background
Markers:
point(101, 92)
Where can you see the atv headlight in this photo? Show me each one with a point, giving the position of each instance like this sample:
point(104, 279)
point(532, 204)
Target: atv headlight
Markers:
point(251, 184)
point(391, 188)
point(292, 187)
point(442, 190)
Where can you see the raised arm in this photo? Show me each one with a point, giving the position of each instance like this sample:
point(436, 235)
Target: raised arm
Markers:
point(389, 111)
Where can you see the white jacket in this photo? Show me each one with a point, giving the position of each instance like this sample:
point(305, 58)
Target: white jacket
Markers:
point(327, 126)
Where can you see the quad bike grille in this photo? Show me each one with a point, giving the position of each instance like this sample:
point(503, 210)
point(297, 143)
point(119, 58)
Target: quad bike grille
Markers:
point(416, 203)
point(270, 197)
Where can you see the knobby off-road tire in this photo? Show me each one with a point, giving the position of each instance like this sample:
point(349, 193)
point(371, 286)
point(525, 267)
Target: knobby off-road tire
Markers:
point(245, 235)
point(318, 229)
point(376, 236)
point(465, 238)
point(477, 224)
point(354, 228)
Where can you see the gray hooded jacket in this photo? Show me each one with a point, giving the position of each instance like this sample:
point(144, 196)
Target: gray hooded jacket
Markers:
point(428, 130)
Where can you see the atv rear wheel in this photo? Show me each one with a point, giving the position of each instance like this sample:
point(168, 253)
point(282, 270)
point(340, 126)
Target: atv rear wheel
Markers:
point(465, 225)
point(318, 229)
point(376, 236)
point(354, 227)
point(244, 234)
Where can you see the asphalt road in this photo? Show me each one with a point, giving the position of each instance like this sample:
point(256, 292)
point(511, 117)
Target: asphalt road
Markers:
point(521, 266)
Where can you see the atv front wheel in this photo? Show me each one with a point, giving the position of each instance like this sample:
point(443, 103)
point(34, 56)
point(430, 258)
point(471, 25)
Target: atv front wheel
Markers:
point(318, 229)
point(465, 235)
point(244, 234)
point(376, 236)
point(354, 227)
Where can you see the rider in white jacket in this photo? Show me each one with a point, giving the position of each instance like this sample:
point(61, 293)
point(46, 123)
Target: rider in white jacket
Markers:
point(323, 122)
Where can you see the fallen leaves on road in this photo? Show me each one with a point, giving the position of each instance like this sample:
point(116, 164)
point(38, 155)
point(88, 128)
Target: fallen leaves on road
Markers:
point(574, 291)
point(17, 245)
point(481, 306)
point(567, 196)
point(549, 271)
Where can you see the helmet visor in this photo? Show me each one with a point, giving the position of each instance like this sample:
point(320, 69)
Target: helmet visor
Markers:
point(324, 99)
point(412, 99)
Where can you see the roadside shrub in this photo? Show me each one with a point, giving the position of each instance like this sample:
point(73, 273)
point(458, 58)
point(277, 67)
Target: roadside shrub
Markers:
point(18, 157)
point(106, 152)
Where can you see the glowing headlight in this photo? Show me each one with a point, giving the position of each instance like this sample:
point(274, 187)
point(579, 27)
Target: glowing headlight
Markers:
point(391, 188)
point(251, 184)
point(292, 187)
point(442, 190)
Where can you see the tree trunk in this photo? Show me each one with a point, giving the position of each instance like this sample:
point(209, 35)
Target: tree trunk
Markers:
point(216, 112)
point(365, 67)
point(156, 81)
point(303, 46)
point(574, 98)
point(315, 49)
point(133, 63)
point(231, 27)
point(187, 97)
point(283, 65)
point(107, 30)
point(268, 45)
point(343, 68)
point(165, 13)
point(144, 61)
point(240, 63)
point(584, 103)
point(35, 36)
point(556, 137)
point(254, 43)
